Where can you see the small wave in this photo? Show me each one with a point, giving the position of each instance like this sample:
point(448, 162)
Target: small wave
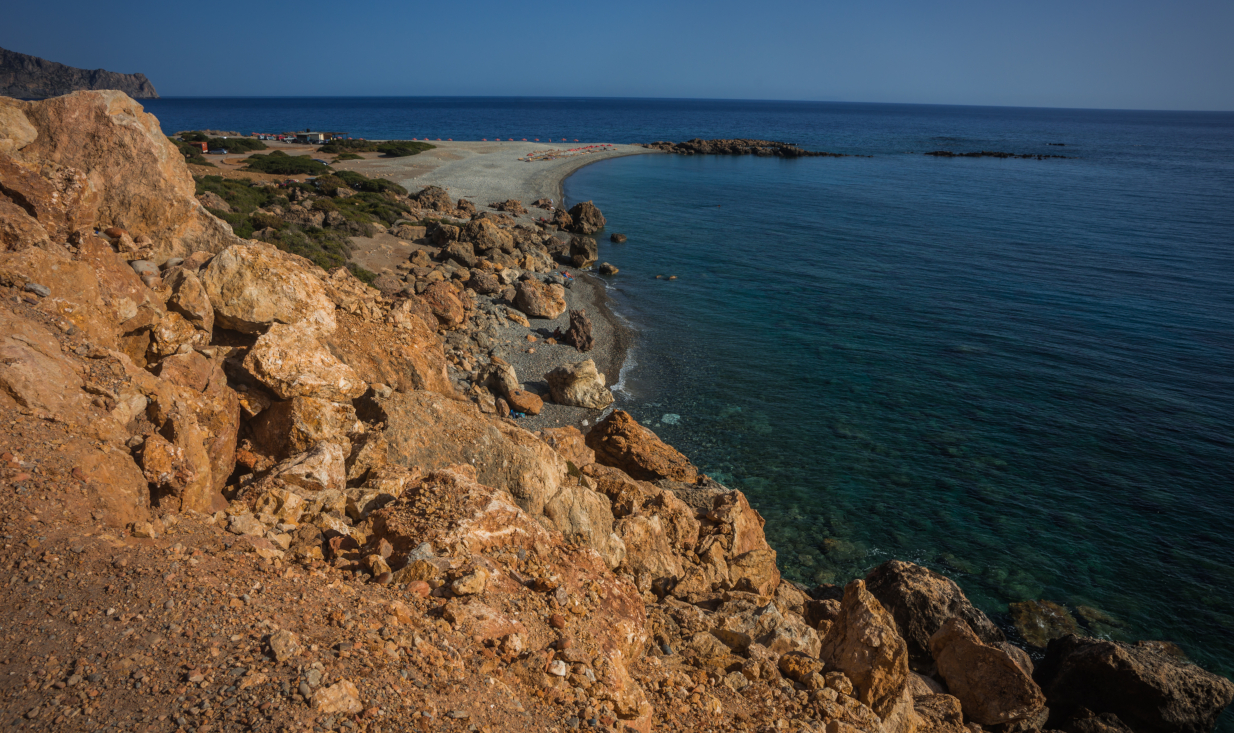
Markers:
point(629, 363)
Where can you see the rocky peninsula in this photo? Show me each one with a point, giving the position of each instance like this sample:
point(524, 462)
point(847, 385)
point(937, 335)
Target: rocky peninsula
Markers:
point(241, 491)
point(30, 77)
point(763, 148)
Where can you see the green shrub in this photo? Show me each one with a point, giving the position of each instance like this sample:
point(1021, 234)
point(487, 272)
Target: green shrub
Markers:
point(348, 156)
point(372, 185)
point(242, 196)
point(325, 205)
point(389, 148)
point(403, 148)
point(325, 248)
point(329, 184)
point(191, 154)
point(259, 220)
point(236, 144)
point(368, 207)
point(280, 163)
point(361, 274)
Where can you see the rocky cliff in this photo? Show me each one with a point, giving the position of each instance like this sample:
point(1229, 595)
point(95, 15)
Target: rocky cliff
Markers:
point(242, 493)
point(30, 77)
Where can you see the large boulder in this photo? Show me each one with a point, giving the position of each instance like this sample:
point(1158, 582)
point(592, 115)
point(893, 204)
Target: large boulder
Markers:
point(578, 334)
point(619, 441)
point(539, 300)
point(405, 354)
point(991, 687)
point(586, 218)
point(286, 428)
point(252, 286)
point(430, 431)
point(863, 644)
point(484, 234)
point(1149, 685)
point(579, 385)
point(434, 198)
point(291, 362)
point(583, 251)
point(190, 299)
point(107, 163)
point(921, 600)
point(445, 304)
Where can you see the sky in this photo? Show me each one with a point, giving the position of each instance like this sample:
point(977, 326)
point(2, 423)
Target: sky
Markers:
point(1125, 54)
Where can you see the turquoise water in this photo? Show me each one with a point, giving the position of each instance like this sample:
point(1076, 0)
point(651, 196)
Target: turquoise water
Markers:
point(1016, 372)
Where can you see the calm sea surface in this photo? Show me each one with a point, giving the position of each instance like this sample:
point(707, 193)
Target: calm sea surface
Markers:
point(1017, 372)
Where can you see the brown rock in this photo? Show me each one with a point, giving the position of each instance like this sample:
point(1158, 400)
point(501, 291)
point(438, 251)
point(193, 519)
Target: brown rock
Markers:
point(524, 402)
point(939, 714)
point(579, 385)
point(189, 299)
point(1148, 685)
point(292, 363)
point(404, 353)
point(619, 441)
point(578, 334)
point(445, 304)
point(109, 164)
point(341, 697)
point(586, 217)
point(486, 235)
point(254, 286)
point(992, 689)
point(583, 252)
point(539, 300)
point(921, 600)
point(434, 198)
point(287, 428)
point(570, 445)
point(864, 645)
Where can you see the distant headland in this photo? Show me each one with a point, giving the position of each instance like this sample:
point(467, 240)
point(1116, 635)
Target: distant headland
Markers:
point(30, 77)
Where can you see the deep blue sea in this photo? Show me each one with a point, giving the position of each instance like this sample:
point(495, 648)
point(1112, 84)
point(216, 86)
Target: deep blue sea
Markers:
point(1017, 372)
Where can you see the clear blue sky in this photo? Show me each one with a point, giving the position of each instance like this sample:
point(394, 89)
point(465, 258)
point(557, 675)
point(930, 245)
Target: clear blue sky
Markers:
point(1130, 54)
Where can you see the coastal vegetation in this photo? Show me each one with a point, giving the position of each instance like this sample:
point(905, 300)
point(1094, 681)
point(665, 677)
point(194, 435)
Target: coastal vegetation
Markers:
point(230, 144)
point(388, 148)
point(192, 154)
point(280, 163)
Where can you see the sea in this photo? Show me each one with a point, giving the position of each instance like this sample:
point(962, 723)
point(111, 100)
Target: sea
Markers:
point(1017, 372)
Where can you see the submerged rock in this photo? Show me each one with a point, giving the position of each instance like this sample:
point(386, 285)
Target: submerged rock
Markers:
point(1041, 621)
point(1148, 685)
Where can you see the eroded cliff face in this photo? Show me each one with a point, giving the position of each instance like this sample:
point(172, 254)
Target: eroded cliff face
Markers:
point(30, 77)
point(244, 491)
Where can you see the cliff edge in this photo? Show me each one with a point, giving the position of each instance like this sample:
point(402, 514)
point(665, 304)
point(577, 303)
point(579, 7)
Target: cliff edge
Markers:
point(30, 77)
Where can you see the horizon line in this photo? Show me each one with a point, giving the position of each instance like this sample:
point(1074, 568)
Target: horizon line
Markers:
point(678, 99)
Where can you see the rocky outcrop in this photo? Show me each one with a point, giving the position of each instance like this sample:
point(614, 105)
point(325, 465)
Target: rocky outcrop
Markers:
point(254, 286)
point(97, 160)
point(539, 300)
point(505, 457)
point(291, 362)
point(578, 334)
point(579, 385)
point(30, 77)
point(921, 601)
point(864, 645)
point(585, 218)
point(1148, 685)
point(991, 687)
point(762, 148)
point(619, 441)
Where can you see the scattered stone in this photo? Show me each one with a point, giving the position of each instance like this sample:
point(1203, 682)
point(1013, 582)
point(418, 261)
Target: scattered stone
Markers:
point(341, 697)
point(284, 644)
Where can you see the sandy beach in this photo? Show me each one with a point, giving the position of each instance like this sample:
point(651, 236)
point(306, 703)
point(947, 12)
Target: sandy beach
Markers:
point(488, 171)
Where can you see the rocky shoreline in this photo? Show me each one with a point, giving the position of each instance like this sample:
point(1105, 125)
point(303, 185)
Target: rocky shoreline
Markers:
point(243, 492)
point(762, 148)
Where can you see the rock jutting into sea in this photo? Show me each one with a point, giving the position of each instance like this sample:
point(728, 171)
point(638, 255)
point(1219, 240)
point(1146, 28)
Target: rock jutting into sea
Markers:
point(30, 77)
point(995, 154)
point(763, 148)
point(244, 491)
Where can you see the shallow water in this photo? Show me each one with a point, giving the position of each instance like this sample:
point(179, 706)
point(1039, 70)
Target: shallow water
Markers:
point(1016, 372)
